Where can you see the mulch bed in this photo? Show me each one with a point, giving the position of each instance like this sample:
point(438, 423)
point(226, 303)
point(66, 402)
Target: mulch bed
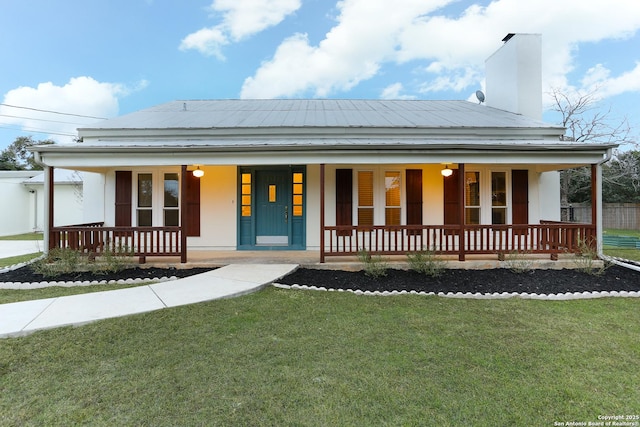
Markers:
point(614, 278)
point(27, 275)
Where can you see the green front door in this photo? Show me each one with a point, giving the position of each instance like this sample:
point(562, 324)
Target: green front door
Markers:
point(272, 202)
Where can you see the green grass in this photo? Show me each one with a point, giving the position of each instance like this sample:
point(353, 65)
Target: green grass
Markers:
point(17, 295)
point(26, 236)
point(282, 357)
point(626, 253)
point(5, 262)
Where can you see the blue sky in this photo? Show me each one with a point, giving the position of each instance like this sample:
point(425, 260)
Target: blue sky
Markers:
point(103, 58)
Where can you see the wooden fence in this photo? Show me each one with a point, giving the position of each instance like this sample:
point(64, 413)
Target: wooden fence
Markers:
point(625, 216)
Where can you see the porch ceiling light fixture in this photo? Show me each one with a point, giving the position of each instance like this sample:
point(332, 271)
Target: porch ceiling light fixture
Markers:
point(198, 172)
point(446, 171)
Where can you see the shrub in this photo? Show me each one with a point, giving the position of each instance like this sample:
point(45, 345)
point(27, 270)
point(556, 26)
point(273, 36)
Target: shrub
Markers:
point(518, 262)
point(374, 266)
point(586, 260)
point(64, 261)
point(426, 262)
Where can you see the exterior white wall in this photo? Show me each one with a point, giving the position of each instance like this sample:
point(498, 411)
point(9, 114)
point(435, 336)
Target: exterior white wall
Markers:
point(15, 216)
point(218, 209)
point(24, 209)
point(514, 76)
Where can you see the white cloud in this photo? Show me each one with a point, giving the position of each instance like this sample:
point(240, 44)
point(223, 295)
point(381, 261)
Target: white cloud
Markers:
point(394, 91)
point(81, 95)
point(365, 37)
point(240, 19)
point(599, 77)
point(370, 34)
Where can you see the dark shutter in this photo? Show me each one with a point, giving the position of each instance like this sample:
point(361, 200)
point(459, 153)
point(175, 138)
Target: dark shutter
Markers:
point(520, 196)
point(452, 199)
point(192, 220)
point(414, 198)
point(123, 198)
point(344, 199)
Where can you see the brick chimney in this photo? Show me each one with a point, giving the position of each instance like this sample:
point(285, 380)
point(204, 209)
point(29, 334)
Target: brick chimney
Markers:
point(514, 75)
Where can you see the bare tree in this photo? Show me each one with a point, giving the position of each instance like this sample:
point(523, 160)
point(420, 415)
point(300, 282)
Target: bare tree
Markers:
point(585, 122)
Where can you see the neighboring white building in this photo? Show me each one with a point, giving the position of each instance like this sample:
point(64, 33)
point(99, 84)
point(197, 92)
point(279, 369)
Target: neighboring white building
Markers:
point(23, 198)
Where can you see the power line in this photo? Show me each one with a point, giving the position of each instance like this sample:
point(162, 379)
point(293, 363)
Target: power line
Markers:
point(39, 120)
point(53, 112)
point(34, 130)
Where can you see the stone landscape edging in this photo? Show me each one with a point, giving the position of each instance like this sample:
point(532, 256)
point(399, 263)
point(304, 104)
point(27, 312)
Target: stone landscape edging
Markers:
point(477, 295)
point(40, 285)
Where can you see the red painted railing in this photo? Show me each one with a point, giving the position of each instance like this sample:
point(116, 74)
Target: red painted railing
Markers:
point(548, 237)
point(142, 242)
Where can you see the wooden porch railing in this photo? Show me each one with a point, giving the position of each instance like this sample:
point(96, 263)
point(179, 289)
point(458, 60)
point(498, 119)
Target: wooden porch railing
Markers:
point(548, 237)
point(142, 242)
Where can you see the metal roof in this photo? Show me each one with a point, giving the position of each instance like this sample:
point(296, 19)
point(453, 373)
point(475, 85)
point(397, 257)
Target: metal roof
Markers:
point(318, 113)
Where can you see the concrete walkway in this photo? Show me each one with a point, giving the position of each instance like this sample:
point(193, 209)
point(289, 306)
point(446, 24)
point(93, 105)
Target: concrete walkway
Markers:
point(22, 318)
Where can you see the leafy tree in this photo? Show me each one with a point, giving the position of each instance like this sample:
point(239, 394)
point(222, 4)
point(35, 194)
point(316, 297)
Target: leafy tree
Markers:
point(17, 155)
point(586, 122)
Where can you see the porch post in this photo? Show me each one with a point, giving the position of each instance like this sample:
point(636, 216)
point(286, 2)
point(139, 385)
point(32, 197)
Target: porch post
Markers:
point(48, 206)
point(183, 214)
point(596, 203)
point(322, 213)
point(462, 248)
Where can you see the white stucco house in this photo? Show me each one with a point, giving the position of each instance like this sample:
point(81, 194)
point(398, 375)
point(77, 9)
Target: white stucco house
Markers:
point(23, 195)
point(335, 176)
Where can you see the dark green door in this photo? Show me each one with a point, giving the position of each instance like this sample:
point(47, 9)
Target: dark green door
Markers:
point(273, 195)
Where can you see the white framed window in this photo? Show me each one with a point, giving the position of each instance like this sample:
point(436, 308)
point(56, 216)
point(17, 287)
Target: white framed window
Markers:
point(156, 198)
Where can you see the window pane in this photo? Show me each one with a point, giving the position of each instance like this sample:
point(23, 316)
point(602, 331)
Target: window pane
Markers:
point(171, 217)
point(472, 188)
point(365, 216)
point(472, 216)
point(297, 177)
point(246, 210)
point(246, 178)
point(272, 193)
point(297, 199)
point(498, 189)
point(498, 216)
point(246, 200)
point(365, 188)
point(171, 187)
point(297, 211)
point(297, 188)
point(392, 188)
point(145, 189)
point(144, 218)
point(392, 216)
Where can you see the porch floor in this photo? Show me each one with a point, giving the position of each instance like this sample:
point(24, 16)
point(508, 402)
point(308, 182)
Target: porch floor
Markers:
point(311, 259)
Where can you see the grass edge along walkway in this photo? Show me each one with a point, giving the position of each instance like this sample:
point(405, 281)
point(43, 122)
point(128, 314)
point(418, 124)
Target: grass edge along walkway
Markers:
point(282, 357)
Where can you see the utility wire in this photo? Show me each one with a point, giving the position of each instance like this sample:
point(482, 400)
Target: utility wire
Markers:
point(39, 120)
point(53, 112)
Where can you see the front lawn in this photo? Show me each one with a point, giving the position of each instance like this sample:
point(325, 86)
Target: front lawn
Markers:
point(285, 357)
